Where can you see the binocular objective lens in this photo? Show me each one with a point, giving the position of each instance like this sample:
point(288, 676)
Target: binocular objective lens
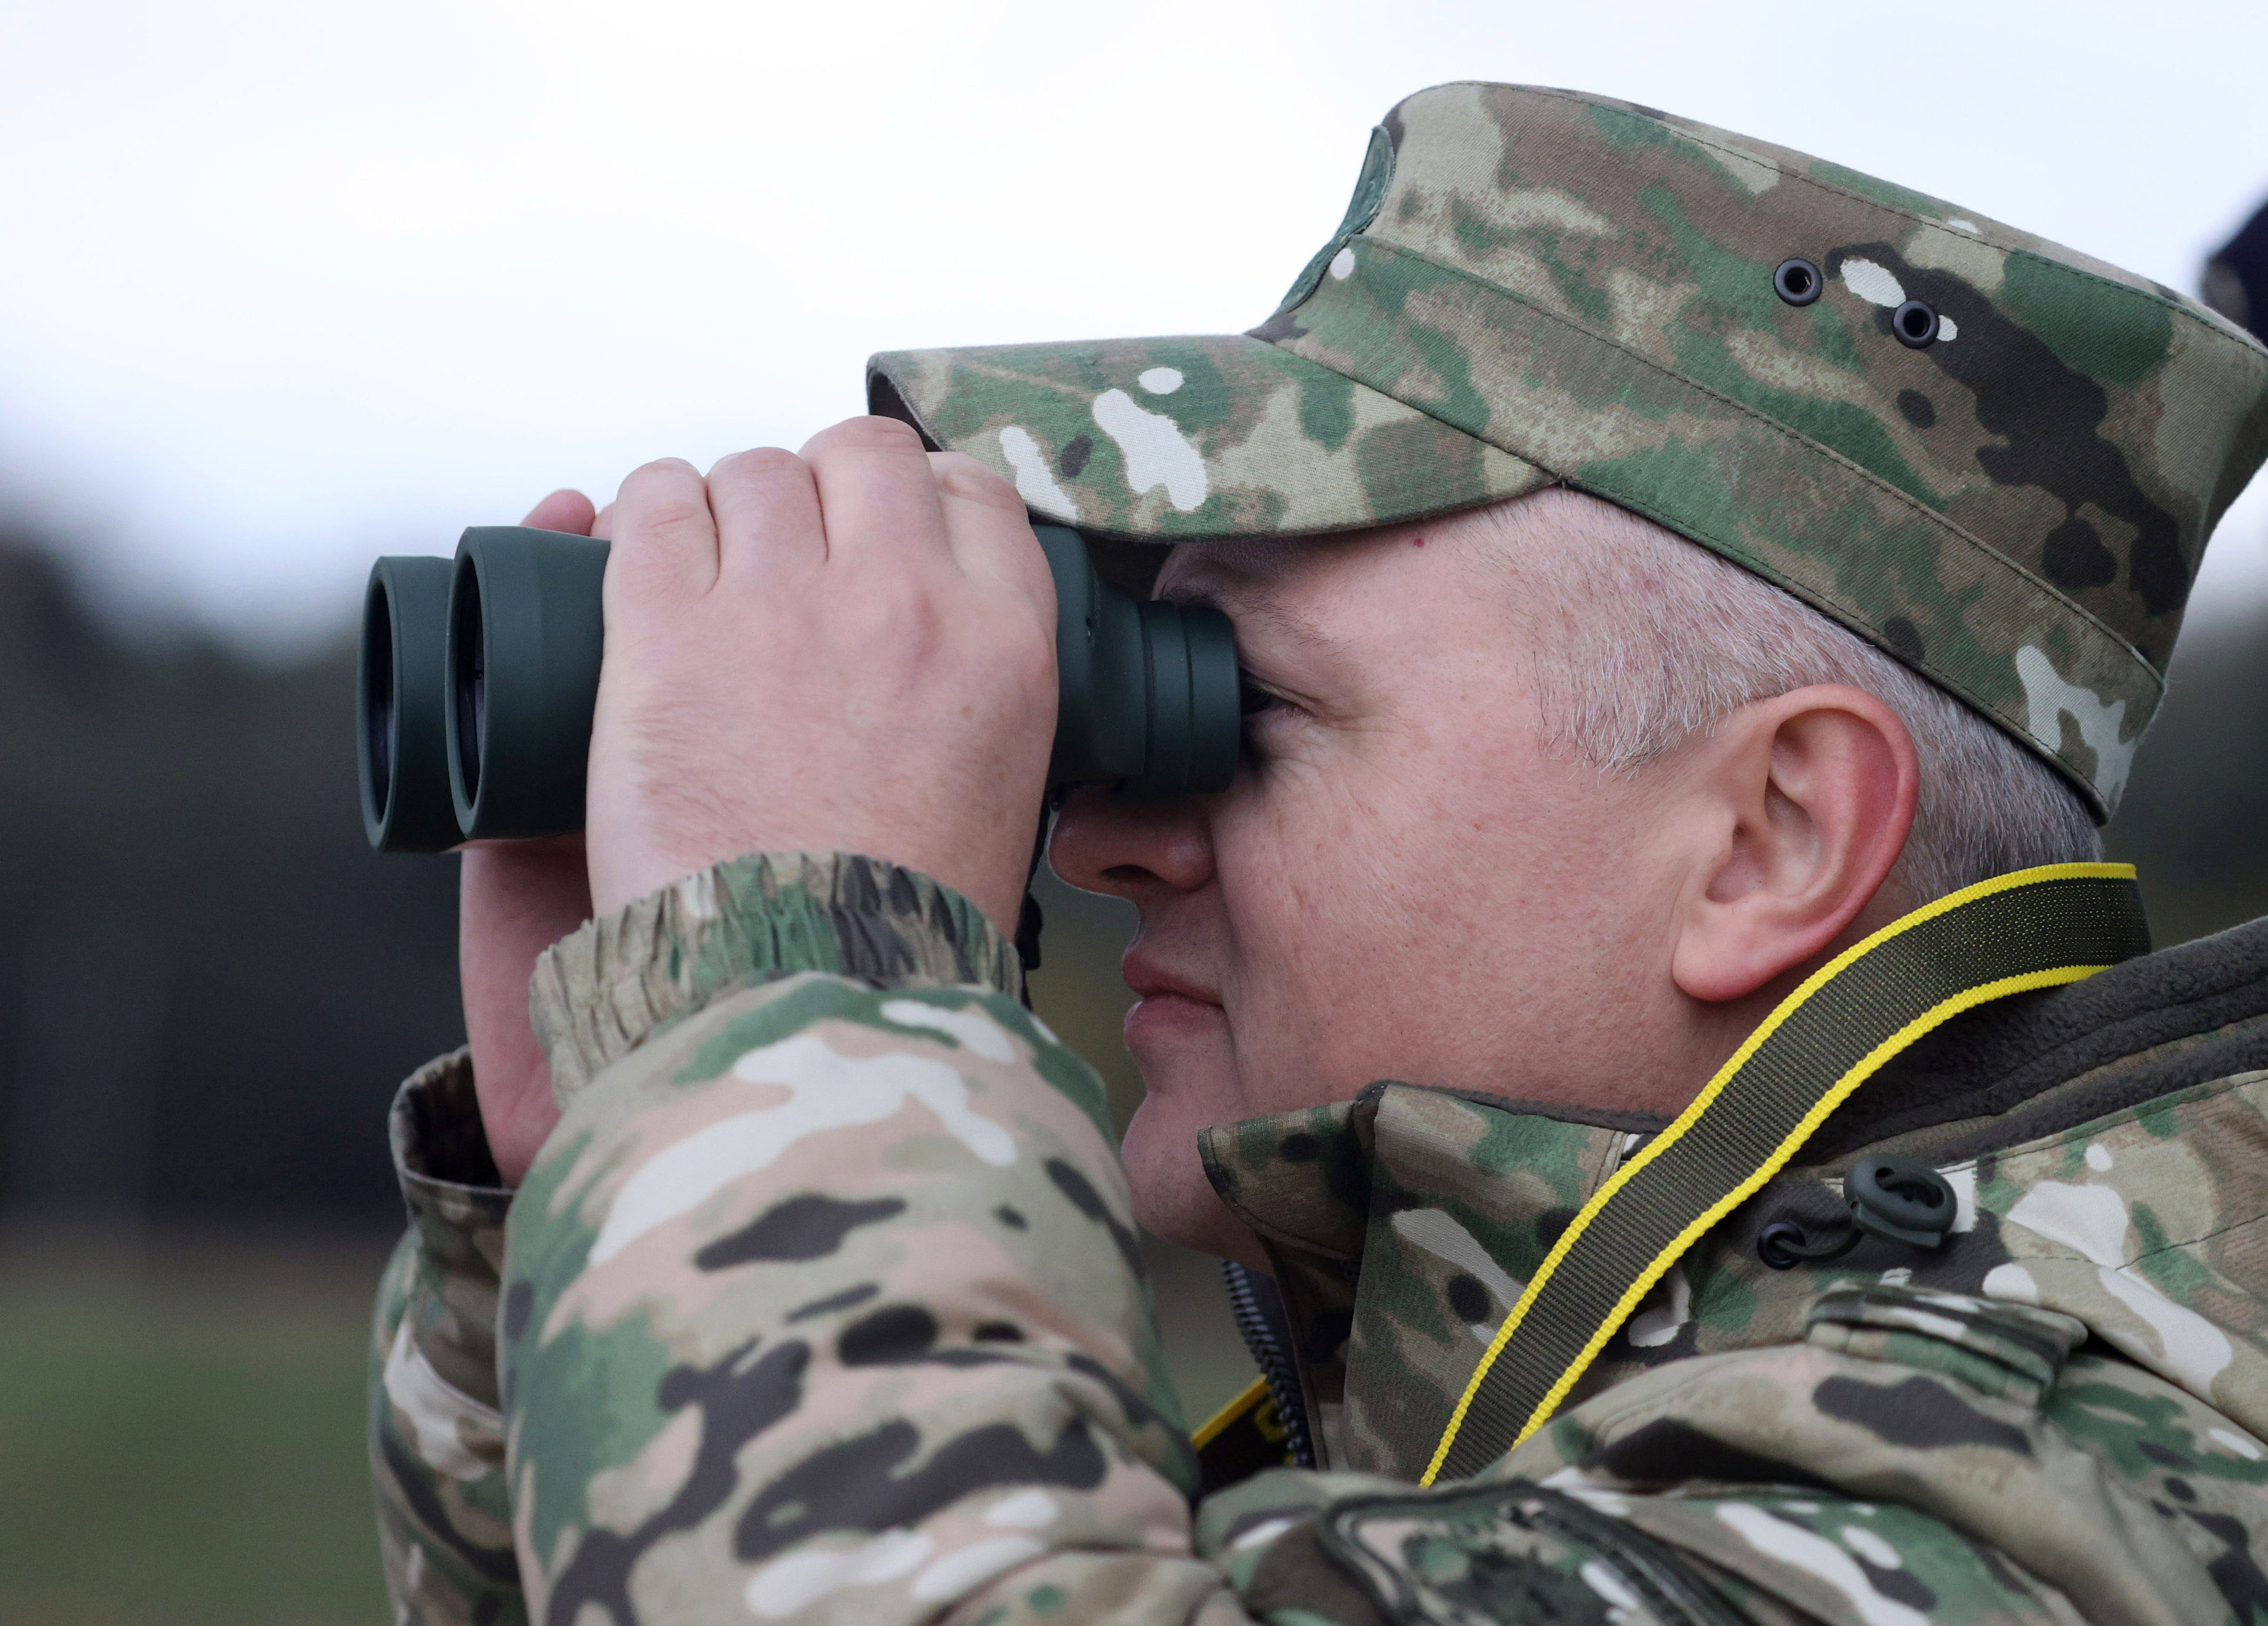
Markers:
point(471, 681)
point(401, 756)
point(377, 696)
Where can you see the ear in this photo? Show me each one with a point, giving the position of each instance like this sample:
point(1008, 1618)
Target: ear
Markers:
point(1800, 806)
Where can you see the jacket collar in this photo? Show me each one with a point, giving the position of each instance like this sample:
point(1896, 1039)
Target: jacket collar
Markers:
point(1403, 1224)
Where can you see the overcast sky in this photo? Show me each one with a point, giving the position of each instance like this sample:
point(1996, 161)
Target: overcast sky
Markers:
point(286, 284)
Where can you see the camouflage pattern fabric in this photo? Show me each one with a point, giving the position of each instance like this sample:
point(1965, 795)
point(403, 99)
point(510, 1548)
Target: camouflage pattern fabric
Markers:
point(823, 1304)
point(1534, 285)
point(604, 987)
point(436, 1424)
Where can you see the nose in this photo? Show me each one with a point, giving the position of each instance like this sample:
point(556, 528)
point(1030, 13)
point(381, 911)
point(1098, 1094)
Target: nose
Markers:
point(1104, 843)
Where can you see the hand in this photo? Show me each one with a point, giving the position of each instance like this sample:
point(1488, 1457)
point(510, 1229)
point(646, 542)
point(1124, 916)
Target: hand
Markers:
point(515, 900)
point(852, 649)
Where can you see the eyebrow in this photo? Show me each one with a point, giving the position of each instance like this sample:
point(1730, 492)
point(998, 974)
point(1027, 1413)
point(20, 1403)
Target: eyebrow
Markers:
point(1249, 603)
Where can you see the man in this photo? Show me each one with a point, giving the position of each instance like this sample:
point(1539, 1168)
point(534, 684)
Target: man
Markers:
point(1782, 1215)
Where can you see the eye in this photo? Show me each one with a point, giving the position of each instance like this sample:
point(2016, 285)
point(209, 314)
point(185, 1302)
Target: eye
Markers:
point(1251, 700)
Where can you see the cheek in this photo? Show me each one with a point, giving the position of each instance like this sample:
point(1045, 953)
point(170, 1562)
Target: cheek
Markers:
point(1379, 846)
point(1380, 908)
point(1324, 878)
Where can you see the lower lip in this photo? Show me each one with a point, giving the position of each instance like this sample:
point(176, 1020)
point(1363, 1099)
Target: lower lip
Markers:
point(1160, 1015)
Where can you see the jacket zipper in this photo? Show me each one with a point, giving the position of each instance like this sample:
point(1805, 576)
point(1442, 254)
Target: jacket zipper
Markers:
point(1258, 1307)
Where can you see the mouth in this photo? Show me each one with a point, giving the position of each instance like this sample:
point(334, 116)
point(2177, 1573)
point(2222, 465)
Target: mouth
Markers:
point(1149, 981)
point(1172, 1006)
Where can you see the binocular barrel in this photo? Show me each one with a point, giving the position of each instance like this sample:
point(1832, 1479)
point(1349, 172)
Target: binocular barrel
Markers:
point(480, 675)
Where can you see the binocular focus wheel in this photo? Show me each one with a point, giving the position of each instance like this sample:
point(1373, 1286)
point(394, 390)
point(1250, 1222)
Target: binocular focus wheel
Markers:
point(400, 735)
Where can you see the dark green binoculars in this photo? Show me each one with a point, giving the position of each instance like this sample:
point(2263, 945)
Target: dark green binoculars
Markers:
point(479, 675)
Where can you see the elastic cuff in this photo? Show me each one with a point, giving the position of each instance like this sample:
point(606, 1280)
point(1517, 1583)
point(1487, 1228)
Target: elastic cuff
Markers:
point(435, 1126)
point(612, 984)
point(456, 1199)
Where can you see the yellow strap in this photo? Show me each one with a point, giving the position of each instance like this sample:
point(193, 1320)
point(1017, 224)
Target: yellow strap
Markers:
point(1834, 1096)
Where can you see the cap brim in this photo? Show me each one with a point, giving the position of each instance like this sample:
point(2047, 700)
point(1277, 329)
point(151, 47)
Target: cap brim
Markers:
point(1192, 438)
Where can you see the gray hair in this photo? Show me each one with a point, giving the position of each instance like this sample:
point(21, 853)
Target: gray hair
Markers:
point(1664, 640)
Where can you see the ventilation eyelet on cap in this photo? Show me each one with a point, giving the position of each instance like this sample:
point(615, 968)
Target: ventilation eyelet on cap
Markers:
point(1798, 282)
point(1915, 322)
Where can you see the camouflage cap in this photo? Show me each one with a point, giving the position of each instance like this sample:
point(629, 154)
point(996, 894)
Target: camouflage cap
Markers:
point(1996, 458)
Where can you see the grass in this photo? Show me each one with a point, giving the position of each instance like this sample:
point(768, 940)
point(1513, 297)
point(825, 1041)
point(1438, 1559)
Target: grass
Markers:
point(180, 1436)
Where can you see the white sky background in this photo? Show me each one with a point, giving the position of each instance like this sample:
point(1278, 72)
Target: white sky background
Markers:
point(285, 284)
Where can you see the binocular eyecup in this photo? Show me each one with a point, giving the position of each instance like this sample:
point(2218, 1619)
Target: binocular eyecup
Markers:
point(480, 675)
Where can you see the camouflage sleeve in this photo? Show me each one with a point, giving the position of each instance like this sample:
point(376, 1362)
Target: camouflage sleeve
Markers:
point(436, 1434)
point(824, 1302)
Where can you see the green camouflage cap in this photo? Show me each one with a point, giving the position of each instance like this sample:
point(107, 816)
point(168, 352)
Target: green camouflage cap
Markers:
point(1996, 458)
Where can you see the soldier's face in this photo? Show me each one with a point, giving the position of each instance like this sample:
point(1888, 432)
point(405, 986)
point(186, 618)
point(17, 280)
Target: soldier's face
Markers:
point(1403, 882)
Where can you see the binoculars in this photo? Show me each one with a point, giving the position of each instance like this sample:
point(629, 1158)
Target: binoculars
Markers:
point(479, 676)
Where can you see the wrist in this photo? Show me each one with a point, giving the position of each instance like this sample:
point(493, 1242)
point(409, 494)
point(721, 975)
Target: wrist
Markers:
point(636, 971)
point(962, 860)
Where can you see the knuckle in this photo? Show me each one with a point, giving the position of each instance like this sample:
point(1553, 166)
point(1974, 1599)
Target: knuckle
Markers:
point(887, 433)
point(661, 471)
point(664, 496)
point(908, 623)
point(758, 463)
point(675, 512)
point(960, 475)
point(888, 437)
point(1032, 661)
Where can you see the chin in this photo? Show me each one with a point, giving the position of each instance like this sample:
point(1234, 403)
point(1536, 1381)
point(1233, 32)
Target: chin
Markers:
point(1172, 1199)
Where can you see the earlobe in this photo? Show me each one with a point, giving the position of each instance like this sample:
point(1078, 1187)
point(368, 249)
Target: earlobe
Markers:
point(1805, 801)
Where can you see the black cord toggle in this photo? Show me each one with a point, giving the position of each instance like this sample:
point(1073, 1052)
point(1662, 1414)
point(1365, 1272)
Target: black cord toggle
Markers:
point(1897, 1199)
point(1783, 1246)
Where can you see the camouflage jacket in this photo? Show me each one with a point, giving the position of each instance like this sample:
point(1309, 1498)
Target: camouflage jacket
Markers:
point(822, 1304)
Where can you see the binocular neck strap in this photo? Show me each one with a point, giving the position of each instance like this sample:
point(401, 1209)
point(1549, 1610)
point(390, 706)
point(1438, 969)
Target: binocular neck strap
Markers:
point(2032, 929)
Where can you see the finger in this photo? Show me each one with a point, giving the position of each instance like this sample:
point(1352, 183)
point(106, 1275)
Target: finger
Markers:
point(878, 496)
point(603, 526)
point(561, 510)
point(665, 538)
point(769, 526)
point(987, 529)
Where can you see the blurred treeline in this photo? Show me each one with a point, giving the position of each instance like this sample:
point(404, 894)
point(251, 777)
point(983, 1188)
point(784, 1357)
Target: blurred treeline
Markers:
point(208, 982)
point(211, 986)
